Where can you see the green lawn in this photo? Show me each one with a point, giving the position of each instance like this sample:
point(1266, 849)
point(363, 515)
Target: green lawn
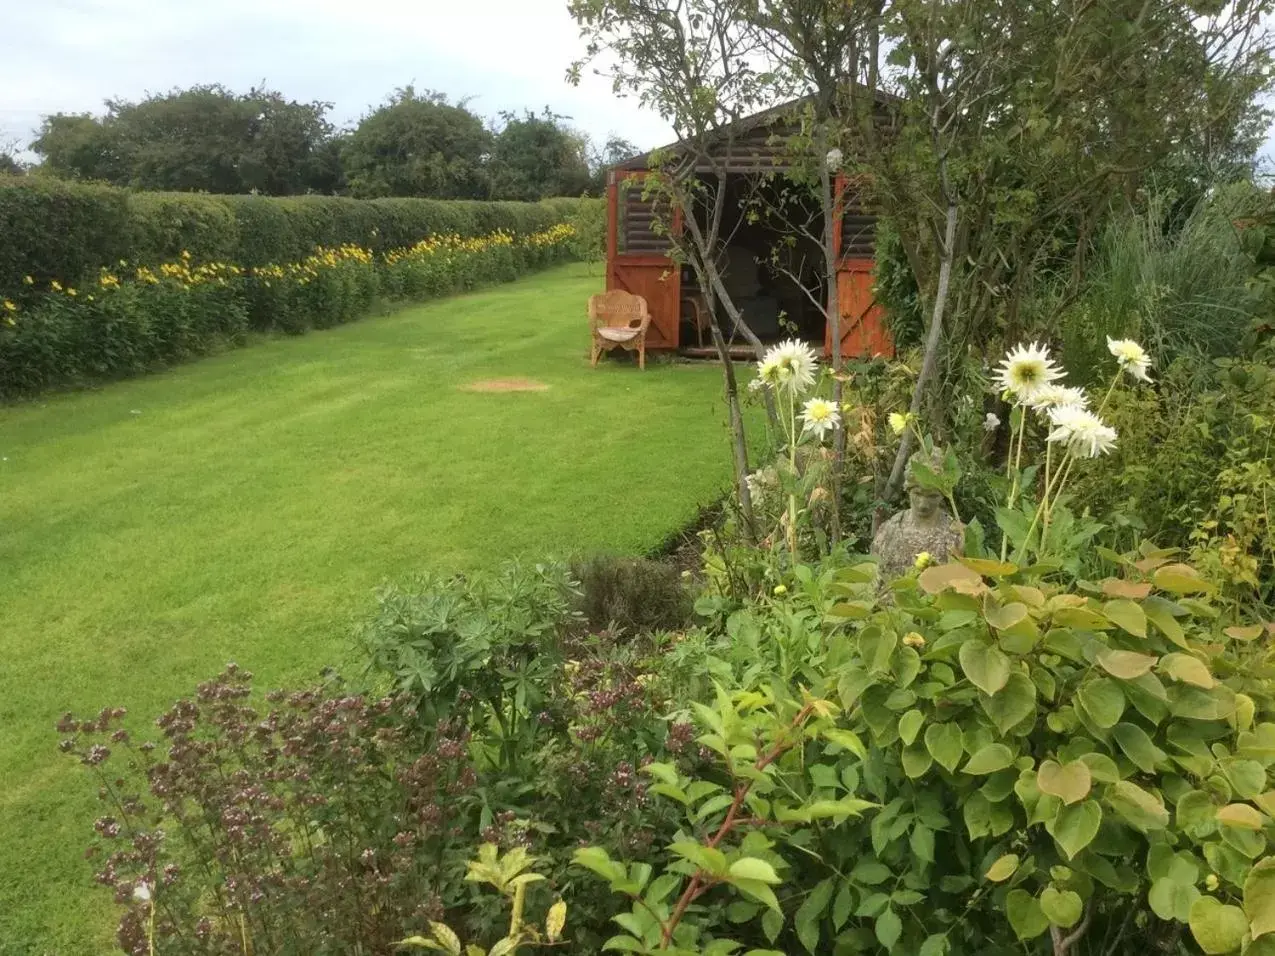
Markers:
point(245, 507)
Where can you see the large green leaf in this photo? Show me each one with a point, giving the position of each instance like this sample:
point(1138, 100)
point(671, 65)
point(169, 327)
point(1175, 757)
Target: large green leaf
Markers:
point(811, 912)
point(1140, 809)
point(910, 725)
point(1103, 701)
point(1217, 928)
point(985, 666)
point(1075, 827)
point(1062, 907)
point(1248, 777)
point(1025, 914)
point(943, 741)
point(1160, 613)
point(1259, 897)
point(1170, 899)
point(989, 759)
point(889, 928)
point(1011, 704)
point(1070, 782)
point(1133, 740)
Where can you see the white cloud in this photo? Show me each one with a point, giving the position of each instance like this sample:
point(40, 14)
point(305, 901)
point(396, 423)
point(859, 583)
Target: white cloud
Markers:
point(70, 55)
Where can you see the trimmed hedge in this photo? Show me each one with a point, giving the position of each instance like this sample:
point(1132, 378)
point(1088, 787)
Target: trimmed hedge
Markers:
point(52, 229)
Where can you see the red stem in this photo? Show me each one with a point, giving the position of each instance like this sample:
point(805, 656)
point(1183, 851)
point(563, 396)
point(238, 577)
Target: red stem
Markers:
point(698, 886)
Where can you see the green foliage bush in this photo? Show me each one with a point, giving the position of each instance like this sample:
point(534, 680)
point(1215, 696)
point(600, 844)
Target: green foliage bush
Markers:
point(635, 595)
point(68, 231)
point(989, 764)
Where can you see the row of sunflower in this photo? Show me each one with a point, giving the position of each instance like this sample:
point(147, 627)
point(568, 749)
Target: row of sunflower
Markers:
point(132, 318)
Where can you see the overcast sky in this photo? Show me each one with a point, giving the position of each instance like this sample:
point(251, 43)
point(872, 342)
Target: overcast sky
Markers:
point(70, 55)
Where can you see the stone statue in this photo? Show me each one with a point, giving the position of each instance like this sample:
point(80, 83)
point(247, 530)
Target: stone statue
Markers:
point(925, 527)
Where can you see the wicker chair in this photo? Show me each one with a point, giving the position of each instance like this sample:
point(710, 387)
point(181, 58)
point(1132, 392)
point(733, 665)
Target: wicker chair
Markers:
point(619, 319)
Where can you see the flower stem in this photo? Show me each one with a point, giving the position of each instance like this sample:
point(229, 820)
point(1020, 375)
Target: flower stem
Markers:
point(1013, 460)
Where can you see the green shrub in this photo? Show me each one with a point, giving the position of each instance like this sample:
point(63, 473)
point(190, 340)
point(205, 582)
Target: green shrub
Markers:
point(990, 764)
point(68, 231)
point(58, 230)
point(164, 225)
point(636, 595)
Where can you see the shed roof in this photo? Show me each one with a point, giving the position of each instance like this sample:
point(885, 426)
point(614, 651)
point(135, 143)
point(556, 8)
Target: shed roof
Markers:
point(747, 139)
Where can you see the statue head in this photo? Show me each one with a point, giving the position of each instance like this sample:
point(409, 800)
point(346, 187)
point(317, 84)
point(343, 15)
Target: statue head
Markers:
point(926, 503)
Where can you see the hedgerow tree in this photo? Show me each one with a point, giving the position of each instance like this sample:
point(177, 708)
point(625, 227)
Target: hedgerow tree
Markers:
point(205, 138)
point(418, 144)
point(533, 157)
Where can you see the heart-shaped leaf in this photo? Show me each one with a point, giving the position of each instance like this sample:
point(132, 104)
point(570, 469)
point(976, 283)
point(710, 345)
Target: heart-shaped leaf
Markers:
point(1025, 914)
point(941, 577)
point(1125, 664)
point(1103, 701)
point(943, 741)
point(985, 666)
point(1138, 747)
point(1217, 928)
point(1003, 618)
point(1062, 907)
point(1132, 590)
point(910, 725)
point(1180, 579)
point(1075, 827)
point(1070, 782)
point(1012, 703)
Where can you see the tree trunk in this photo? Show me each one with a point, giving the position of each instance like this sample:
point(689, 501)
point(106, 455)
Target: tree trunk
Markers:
point(832, 315)
point(928, 363)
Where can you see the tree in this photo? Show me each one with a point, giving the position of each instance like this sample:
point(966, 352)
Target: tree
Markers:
point(78, 146)
point(615, 150)
point(205, 138)
point(692, 62)
point(418, 144)
point(534, 157)
point(1014, 128)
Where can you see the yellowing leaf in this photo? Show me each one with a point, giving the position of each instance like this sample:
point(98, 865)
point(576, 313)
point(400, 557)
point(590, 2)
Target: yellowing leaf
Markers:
point(1217, 928)
point(1132, 590)
point(1003, 868)
point(1126, 665)
point(751, 868)
point(1250, 633)
point(992, 569)
point(1127, 615)
point(1003, 618)
point(1180, 579)
point(1071, 782)
point(1241, 816)
point(449, 940)
point(1188, 670)
point(941, 577)
point(1259, 897)
point(555, 920)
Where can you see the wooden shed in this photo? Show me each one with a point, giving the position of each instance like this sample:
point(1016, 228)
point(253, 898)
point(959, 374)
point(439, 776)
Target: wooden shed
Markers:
point(638, 259)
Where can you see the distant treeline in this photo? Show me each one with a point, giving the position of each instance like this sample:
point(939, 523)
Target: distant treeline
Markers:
point(415, 144)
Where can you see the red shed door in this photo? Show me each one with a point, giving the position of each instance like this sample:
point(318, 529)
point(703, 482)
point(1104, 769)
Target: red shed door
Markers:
point(638, 255)
point(863, 331)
